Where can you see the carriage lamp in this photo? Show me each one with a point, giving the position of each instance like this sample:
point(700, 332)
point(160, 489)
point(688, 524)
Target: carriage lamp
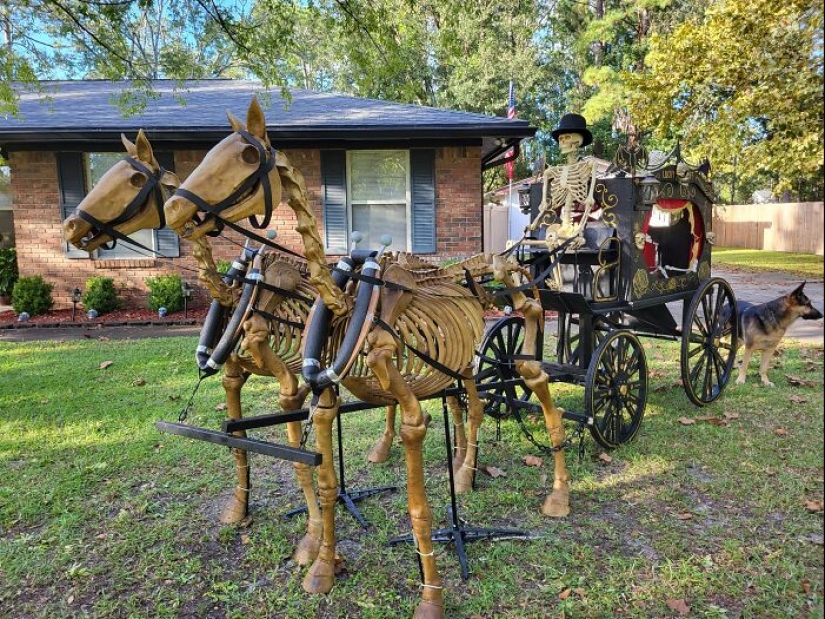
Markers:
point(186, 290)
point(524, 198)
point(77, 296)
point(649, 186)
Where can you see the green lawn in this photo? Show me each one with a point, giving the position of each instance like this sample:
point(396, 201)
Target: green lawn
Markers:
point(101, 516)
point(805, 265)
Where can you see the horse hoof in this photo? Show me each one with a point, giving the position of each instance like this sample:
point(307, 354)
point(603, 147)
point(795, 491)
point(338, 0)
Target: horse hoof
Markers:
point(557, 505)
point(464, 480)
point(320, 577)
point(234, 512)
point(429, 610)
point(307, 550)
point(381, 452)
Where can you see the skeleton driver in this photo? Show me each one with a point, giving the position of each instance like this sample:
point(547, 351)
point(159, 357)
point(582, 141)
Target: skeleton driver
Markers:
point(567, 187)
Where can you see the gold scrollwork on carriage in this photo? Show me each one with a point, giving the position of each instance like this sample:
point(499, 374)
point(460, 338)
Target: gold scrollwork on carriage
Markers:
point(608, 202)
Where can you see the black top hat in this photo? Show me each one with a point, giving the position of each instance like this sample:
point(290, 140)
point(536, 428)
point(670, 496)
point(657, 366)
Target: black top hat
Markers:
point(573, 123)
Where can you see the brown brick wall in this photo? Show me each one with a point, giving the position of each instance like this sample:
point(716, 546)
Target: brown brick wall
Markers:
point(40, 245)
point(458, 193)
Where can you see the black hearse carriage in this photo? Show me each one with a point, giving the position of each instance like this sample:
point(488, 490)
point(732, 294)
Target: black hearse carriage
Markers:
point(647, 250)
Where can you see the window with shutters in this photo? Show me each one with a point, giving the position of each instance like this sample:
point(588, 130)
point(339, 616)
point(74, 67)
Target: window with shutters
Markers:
point(79, 172)
point(379, 196)
point(378, 192)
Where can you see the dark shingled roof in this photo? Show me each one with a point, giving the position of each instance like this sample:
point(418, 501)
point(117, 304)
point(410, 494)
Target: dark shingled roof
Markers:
point(194, 112)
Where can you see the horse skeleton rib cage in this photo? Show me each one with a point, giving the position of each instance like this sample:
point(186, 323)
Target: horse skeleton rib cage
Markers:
point(424, 306)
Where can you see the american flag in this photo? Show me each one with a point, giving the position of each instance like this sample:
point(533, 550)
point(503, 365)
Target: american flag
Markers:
point(511, 113)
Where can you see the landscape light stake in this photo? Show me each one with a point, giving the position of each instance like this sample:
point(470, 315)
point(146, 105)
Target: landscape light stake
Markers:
point(77, 296)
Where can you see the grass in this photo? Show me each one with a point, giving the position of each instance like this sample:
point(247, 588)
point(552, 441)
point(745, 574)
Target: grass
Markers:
point(102, 516)
point(805, 265)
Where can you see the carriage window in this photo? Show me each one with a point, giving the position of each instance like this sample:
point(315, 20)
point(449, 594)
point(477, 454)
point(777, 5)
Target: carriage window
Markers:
point(379, 196)
point(96, 165)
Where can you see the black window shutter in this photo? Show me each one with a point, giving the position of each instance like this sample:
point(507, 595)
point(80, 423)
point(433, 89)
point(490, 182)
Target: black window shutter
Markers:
point(422, 173)
point(334, 199)
point(168, 242)
point(71, 176)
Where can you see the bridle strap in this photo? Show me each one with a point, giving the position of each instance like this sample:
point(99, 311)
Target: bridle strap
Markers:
point(265, 166)
point(153, 185)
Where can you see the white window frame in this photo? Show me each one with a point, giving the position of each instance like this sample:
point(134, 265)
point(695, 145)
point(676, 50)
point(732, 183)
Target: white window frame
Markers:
point(407, 194)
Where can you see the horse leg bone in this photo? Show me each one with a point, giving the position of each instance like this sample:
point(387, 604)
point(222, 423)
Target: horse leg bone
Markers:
point(458, 431)
point(475, 415)
point(320, 577)
point(557, 504)
point(237, 507)
point(413, 431)
point(380, 452)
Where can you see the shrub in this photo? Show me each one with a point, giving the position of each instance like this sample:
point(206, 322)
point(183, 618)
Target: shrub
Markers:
point(165, 291)
point(223, 266)
point(101, 295)
point(8, 270)
point(32, 295)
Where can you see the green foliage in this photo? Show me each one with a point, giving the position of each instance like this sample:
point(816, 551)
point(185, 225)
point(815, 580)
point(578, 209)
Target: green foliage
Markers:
point(32, 295)
point(742, 84)
point(8, 270)
point(222, 266)
point(165, 291)
point(101, 295)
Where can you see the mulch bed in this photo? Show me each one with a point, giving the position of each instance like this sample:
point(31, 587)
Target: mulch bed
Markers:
point(126, 317)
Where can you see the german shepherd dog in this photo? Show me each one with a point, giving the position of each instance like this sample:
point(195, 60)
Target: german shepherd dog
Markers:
point(762, 327)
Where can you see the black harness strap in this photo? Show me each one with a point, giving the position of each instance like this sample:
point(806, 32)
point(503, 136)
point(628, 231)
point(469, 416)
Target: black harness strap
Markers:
point(153, 185)
point(274, 318)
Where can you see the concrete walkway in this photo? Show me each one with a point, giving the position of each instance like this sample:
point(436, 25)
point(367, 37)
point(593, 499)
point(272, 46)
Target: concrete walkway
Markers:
point(747, 286)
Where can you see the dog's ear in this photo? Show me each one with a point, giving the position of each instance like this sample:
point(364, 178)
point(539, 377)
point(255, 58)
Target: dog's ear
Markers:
point(798, 291)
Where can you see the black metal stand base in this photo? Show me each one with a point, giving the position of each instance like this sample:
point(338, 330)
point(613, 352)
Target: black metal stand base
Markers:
point(348, 498)
point(458, 532)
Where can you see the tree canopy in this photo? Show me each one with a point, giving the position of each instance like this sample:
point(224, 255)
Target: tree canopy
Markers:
point(740, 82)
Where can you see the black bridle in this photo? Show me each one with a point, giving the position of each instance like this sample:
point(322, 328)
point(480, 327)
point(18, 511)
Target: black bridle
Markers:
point(266, 162)
point(213, 211)
point(153, 185)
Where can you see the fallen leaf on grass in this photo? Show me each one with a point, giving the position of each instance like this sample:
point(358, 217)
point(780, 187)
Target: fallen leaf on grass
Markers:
point(679, 606)
point(685, 516)
point(105, 364)
point(799, 382)
point(731, 415)
point(493, 471)
point(797, 399)
point(814, 506)
point(221, 406)
point(244, 539)
point(780, 432)
point(103, 338)
point(565, 594)
point(605, 458)
point(532, 461)
point(806, 586)
point(685, 421)
point(139, 382)
point(717, 421)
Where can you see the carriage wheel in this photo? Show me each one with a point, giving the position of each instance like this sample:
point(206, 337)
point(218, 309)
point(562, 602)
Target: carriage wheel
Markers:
point(709, 341)
point(615, 392)
point(495, 365)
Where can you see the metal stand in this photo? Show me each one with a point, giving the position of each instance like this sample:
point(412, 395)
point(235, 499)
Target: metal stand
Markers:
point(348, 497)
point(458, 532)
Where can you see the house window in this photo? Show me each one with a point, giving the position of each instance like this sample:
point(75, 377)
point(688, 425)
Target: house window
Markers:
point(379, 196)
point(379, 192)
point(6, 213)
point(78, 173)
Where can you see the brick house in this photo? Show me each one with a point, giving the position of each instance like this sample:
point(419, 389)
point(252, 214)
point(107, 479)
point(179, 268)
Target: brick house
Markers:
point(377, 167)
